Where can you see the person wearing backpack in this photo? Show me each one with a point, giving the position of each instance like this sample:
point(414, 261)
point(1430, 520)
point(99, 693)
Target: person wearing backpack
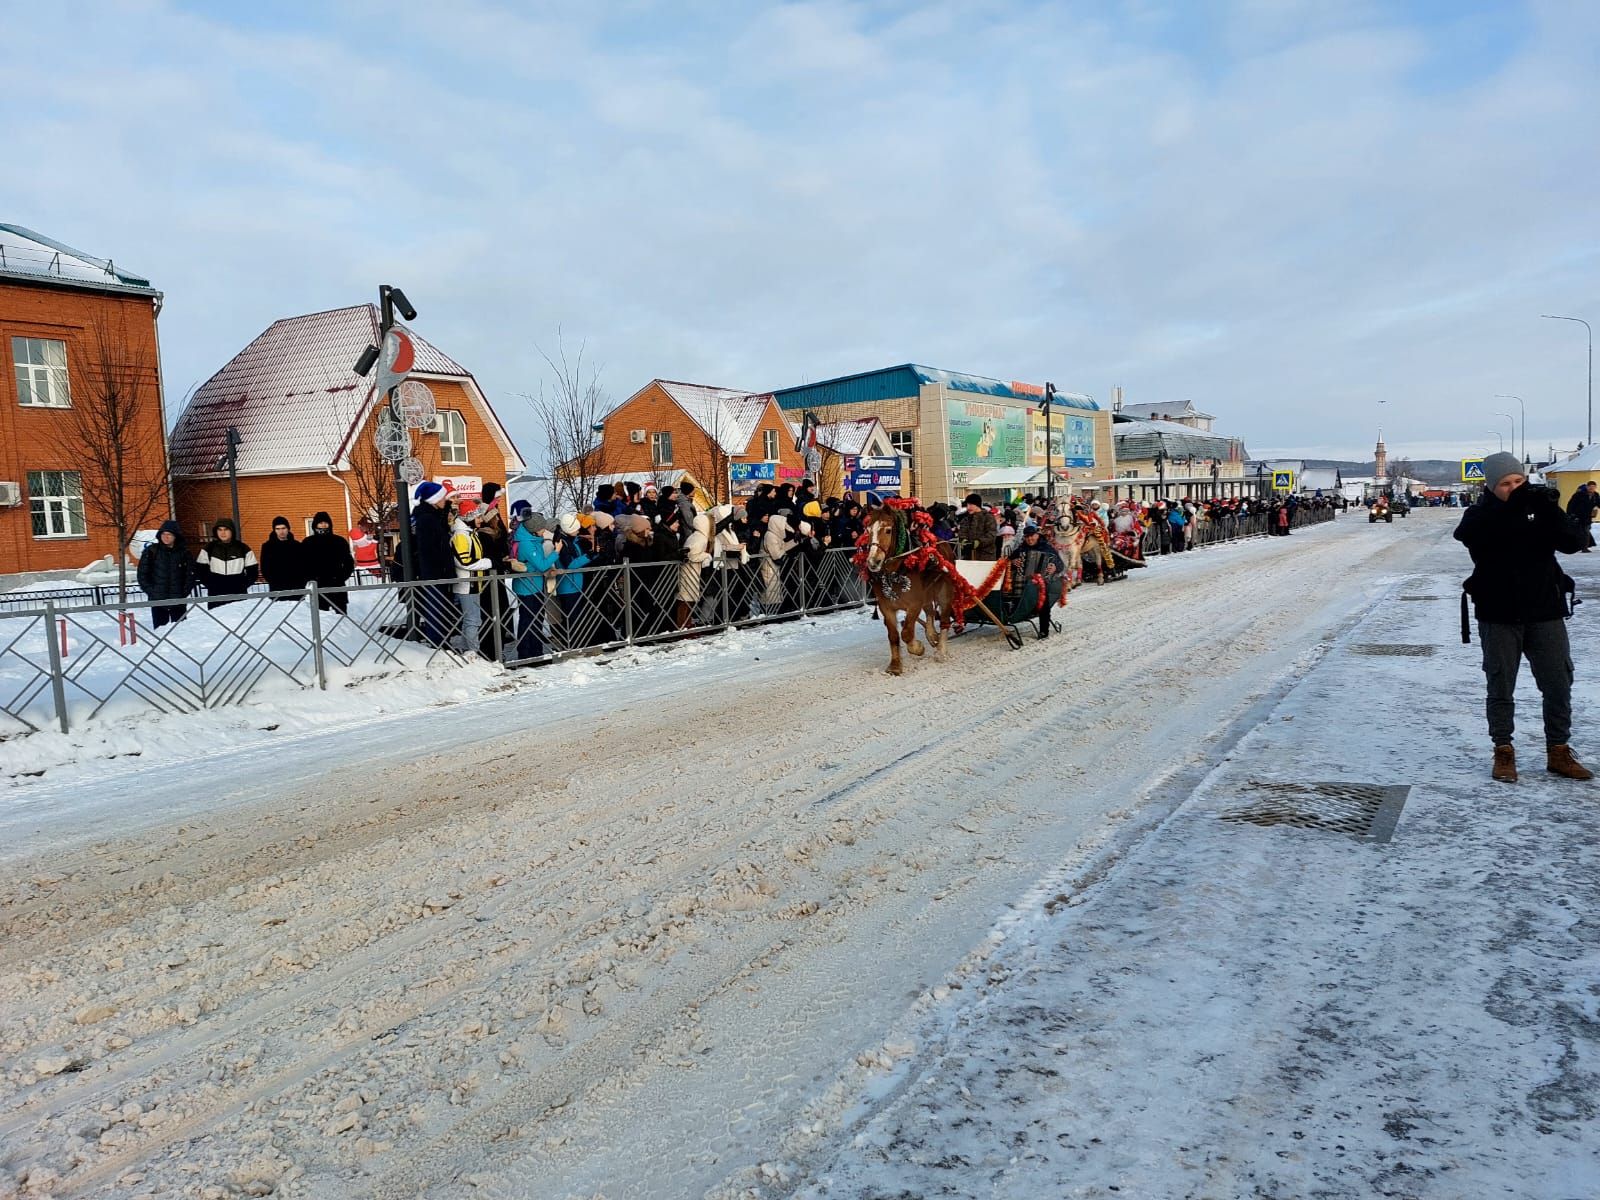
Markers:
point(1519, 593)
point(470, 564)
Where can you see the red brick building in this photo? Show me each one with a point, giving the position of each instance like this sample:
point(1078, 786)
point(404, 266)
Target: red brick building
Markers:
point(80, 405)
point(306, 422)
point(726, 440)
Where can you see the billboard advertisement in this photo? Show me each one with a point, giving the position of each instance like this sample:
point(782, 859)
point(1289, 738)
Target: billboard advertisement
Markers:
point(986, 435)
point(1071, 440)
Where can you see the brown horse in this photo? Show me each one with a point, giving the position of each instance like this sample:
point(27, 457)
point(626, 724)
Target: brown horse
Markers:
point(926, 594)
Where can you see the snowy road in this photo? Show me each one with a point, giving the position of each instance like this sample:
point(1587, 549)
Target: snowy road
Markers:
point(608, 936)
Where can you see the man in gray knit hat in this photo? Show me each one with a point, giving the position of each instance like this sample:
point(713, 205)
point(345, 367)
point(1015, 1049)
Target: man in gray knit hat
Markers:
point(1520, 595)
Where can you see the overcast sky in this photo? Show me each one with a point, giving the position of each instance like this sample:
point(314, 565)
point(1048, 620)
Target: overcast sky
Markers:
point(1285, 211)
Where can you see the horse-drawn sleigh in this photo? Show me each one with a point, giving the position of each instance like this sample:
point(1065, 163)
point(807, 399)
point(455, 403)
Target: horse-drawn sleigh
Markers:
point(911, 572)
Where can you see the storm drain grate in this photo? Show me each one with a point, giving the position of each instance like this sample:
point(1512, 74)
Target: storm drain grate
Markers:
point(1366, 810)
point(1393, 649)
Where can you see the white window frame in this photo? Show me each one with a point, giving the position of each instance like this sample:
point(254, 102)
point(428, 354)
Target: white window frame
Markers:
point(452, 450)
point(37, 372)
point(60, 512)
point(661, 449)
point(903, 441)
point(769, 445)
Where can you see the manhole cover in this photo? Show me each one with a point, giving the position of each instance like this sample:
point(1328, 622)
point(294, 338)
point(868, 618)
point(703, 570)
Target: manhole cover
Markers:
point(1393, 649)
point(1365, 810)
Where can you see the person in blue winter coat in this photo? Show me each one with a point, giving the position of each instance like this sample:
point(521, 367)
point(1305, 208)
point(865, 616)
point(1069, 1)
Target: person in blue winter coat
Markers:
point(1179, 521)
point(531, 558)
point(571, 556)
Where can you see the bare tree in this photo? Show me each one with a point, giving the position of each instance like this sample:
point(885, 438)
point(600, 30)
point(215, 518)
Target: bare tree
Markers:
point(706, 458)
point(571, 412)
point(1400, 470)
point(371, 477)
point(114, 437)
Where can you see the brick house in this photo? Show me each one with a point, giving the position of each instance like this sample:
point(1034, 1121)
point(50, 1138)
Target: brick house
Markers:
point(724, 439)
point(82, 386)
point(306, 422)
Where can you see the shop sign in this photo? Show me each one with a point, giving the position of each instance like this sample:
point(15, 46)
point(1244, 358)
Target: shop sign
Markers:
point(983, 434)
point(467, 487)
point(753, 472)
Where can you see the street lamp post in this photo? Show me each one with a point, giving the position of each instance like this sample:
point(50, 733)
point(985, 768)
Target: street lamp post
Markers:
point(1049, 436)
point(1513, 421)
point(1524, 408)
point(1499, 437)
point(1555, 317)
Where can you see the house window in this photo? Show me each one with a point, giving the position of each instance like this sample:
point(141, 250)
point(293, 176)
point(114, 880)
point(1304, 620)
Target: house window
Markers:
point(55, 502)
point(660, 449)
point(769, 445)
point(901, 441)
point(452, 437)
point(41, 372)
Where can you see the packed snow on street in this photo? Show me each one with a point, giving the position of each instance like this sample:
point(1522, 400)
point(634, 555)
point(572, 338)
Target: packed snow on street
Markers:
point(747, 917)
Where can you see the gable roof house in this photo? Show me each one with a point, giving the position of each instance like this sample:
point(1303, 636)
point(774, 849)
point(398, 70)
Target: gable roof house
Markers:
point(306, 423)
point(724, 439)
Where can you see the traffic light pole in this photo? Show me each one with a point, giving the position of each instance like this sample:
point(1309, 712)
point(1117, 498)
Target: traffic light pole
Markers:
point(401, 492)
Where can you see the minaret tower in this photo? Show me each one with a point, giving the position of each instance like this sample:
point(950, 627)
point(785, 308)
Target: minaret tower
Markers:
point(1381, 470)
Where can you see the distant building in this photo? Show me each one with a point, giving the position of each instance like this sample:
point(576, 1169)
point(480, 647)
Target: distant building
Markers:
point(1164, 458)
point(961, 433)
point(1179, 414)
point(306, 424)
point(78, 335)
point(727, 441)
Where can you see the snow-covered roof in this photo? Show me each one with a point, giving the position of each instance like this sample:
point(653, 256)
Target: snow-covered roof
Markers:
point(1584, 462)
point(1138, 440)
point(295, 398)
point(729, 416)
point(1164, 409)
point(842, 437)
point(25, 254)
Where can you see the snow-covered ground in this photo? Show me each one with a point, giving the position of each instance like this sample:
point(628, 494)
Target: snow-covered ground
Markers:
point(613, 933)
point(1235, 1010)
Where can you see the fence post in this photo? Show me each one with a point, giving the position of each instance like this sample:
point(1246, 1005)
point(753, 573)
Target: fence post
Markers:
point(58, 683)
point(800, 575)
point(316, 635)
point(496, 596)
point(627, 602)
point(725, 601)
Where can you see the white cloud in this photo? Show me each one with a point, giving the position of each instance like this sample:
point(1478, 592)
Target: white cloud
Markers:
point(1280, 224)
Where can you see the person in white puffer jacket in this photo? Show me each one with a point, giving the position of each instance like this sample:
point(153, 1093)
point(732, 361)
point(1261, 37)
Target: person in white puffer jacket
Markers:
point(729, 558)
point(696, 558)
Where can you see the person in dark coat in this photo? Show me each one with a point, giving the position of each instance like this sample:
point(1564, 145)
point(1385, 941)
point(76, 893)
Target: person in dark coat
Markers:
point(436, 565)
point(1519, 593)
point(1581, 509)
point(977, 532)
point(283, 559)
point(329, 563)
point(166, 573)
point(226, 565)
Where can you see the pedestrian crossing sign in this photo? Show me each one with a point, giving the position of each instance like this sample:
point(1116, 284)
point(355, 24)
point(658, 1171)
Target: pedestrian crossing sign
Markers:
point(1283, 481)
point(1472, 470)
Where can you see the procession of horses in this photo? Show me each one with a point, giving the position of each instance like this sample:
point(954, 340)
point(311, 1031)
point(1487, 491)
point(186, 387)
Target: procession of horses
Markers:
point(916, 576)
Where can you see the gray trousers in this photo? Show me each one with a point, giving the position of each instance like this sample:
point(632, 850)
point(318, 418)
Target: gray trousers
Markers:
point(1544, 645)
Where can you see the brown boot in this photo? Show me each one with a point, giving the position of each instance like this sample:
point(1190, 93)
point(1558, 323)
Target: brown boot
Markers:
point(1559, 760)
point(1505, 764)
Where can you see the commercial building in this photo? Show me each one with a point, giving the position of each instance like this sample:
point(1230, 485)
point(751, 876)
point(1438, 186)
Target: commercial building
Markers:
point(958, 433)
point(1170, 450)
point(306, 423)
point(82, 435)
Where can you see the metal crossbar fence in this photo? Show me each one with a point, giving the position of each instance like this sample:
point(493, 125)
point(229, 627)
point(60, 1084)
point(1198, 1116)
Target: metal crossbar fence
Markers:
point(64, 663)
point(1211, 532)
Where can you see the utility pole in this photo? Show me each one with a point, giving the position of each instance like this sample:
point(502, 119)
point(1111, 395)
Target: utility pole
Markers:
point(396, 355)
point(1590, 330)
point(232, 459)
point(1049, 437)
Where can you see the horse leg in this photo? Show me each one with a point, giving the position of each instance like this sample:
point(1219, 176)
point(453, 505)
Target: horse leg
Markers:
point(894, 638)
point(909, 632)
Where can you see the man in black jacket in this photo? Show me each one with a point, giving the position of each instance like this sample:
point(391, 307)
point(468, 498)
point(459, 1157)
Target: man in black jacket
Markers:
point(1519, 593)
point(166, 573)
point(1581, 509)
point(435, 562)
point(329, 563)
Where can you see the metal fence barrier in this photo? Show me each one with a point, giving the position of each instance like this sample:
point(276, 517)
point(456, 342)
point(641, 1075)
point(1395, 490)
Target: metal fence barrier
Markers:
point(1213, 531)
point(66, 662)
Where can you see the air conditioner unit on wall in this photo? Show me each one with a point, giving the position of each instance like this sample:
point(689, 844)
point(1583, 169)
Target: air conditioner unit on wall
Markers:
point(436, 426)
point(10, 495)
point(636, 436)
